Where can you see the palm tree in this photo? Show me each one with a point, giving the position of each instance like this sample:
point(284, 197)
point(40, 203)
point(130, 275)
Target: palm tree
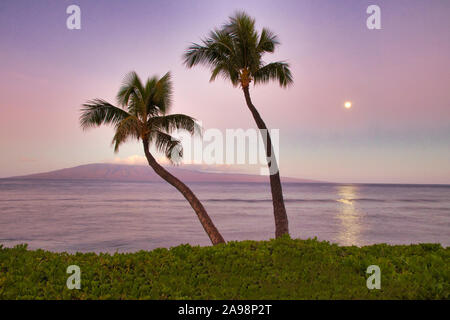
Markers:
point(235, 52)
point(143, 116)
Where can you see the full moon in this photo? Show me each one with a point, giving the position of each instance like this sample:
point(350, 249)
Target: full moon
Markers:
point(347, 104)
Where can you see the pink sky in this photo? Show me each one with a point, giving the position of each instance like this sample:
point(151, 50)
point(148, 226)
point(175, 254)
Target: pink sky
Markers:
point(398, 78)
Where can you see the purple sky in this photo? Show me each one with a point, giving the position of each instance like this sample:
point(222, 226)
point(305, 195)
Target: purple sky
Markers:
point(397, 78)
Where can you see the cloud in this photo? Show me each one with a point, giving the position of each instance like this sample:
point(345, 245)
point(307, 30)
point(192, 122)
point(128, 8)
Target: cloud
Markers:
point(136, 160)
point(216, 168)
point(131, 160)
point(222, 168)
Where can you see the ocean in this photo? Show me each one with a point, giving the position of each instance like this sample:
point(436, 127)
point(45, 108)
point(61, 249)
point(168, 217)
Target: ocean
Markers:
point(102, 216)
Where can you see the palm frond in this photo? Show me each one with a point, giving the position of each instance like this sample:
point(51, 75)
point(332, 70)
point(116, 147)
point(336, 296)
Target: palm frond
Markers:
point(126, 129)
point(162, 97)
point(130, 85)
point(97, 112)
point(221, 42)
point(267, 41)
point(278, 71)
point(196, 54)
point(132, 94)
point(170, 146)
point(219, 46)
point(241, 28)
point(227, 71)
point(173, 122)
point(148, 100)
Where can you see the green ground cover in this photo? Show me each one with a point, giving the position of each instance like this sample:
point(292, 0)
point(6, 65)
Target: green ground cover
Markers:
point(276, 269)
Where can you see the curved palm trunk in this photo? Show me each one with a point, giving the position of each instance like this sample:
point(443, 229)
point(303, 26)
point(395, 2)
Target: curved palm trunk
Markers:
point(205, 220)
point(279, 210)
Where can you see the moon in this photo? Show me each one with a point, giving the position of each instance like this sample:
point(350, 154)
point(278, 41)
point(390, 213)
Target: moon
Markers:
point(348, 104)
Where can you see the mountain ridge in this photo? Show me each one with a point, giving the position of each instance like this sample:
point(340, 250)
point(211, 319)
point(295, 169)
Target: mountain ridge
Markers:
point(142, 173)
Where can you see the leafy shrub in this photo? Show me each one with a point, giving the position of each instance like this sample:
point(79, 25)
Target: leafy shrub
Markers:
point(276, 269)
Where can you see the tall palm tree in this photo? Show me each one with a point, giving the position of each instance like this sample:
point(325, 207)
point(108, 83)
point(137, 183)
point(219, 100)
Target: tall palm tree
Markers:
point(142, 115)
point(235, 52)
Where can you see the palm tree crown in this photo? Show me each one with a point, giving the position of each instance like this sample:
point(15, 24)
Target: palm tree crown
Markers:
point(235, 52)
point(142, 115)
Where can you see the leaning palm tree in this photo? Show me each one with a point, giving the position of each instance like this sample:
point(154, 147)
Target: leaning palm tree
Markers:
point(142, 115)
point(235, 52)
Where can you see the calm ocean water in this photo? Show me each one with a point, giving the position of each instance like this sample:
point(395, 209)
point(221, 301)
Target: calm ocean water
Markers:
point(126, 217)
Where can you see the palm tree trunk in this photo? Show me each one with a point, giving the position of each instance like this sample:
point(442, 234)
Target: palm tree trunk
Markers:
point(279, 210)
point(205, 220)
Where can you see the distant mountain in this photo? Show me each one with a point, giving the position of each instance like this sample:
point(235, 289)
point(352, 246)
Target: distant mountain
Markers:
point(140, 173)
